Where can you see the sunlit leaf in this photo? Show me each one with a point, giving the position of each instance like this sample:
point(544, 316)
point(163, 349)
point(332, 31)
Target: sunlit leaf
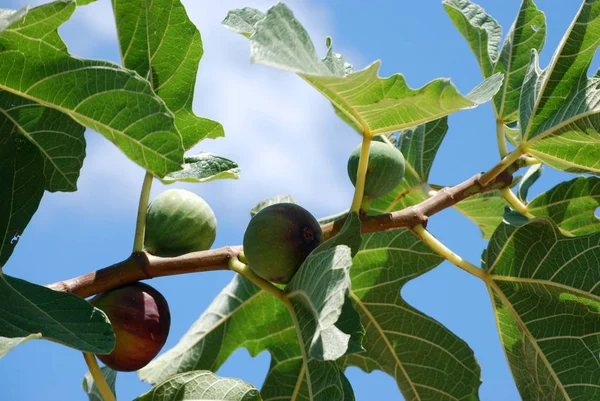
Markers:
point(547, 301)
point(204, 167)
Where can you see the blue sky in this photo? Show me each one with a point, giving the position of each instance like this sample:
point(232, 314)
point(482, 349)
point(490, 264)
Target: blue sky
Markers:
point(287, 140)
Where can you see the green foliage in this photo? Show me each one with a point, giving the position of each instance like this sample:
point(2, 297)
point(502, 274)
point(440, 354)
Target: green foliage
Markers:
point(342, 305)
point(193, 386)
point(28, 310)
point(370, 104)
point(553, 347)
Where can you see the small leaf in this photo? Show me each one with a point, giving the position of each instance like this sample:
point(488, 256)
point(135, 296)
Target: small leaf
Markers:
point(193, 386)
point(159, 41)
point(27, 308)
point(204, 167)
point(21, 189)
point(571, 205)
point(482, 31)
point(514, 218)
point(6, 344)
point(58, 137)
point(119, 104)
point(531, 176)
point(545, 291)
point(272, 201)
point(368, 103)
point(89, 386)
point(318, 292)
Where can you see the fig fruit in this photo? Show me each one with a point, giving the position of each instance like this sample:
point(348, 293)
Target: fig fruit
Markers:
point(385, 169)
point(140, 318)
point(278, 240)
point(179, 222)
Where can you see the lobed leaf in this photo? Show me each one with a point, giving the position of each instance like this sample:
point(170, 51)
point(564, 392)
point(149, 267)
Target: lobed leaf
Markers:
point(204, 167)
point(119, 104)
point(370, 104)
point(29, 309)
point(158, 41)
point(427, 361)
point(21, 188)
point(544, 287)
point(192, 386)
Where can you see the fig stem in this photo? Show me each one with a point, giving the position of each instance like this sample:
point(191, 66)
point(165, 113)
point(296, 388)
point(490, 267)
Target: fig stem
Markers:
point(99, 380)
point(140, 226)
point(500, 138)
point(361, 174)
point(438, 247)
point(515, 202)
point(244, 270)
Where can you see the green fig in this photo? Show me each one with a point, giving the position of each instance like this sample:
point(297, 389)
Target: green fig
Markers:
point(141, 320)
point(385, 169)
point(278, 240)
point(179, 222)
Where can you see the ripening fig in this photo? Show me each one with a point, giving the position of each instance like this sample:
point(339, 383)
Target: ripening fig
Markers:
point(179, 222)
point(385, 169)
point(141, 320)
point(278, 240)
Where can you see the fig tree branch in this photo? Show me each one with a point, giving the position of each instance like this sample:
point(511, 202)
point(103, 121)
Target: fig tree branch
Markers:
point(143, 266)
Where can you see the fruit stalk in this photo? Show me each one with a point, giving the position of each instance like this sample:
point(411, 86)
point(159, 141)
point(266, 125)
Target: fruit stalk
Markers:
point(362, 174)
point(244, 270)
point(99, 379)
point(140, 226)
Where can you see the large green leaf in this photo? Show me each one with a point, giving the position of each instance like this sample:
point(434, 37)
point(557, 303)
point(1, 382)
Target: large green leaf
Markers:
point(546, 293)
point(21, 187)
point(58, 137)
point(204, 167)
point(159, 41)
point(27, 308)
point(192, 386)
point(397, 336)
point(419, 145)
point(562, 103)
point(6, 344)
point(427, 361)
point(35, 64)
point(571, 205)
point(89, 386)
point(370, 104)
